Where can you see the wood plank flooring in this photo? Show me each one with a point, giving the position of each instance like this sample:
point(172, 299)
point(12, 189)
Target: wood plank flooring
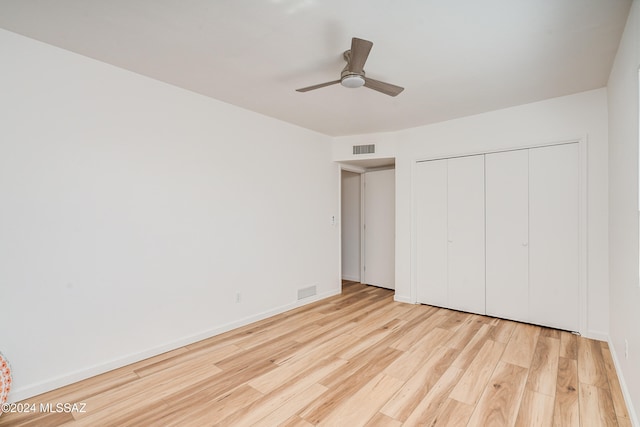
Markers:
point(357, 359)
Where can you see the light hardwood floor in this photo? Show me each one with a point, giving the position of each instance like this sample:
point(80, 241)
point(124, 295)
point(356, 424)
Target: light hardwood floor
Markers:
point(357, 359)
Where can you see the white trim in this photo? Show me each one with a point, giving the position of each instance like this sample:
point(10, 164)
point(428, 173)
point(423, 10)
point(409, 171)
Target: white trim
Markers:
point(19, 394)
point(597, 335)
point(403, 299)
point(363, 183)
point(360, 172)
point(381, 168)
point(583, 238)
point(351, 168)
point(623, 385)
point(413, 241)
point(562, 141)
point(339, 213)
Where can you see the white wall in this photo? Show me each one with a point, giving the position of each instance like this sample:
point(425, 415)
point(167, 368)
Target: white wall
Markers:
point(582, 115)
point(623, 206)
point(131, 212)
point(350, 223)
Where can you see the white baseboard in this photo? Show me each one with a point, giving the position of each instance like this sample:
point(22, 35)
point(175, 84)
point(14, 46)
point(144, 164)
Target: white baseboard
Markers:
point(351, 278)
point(597, 335)
point(403, 298)
point(20, 394)
point(623, 385)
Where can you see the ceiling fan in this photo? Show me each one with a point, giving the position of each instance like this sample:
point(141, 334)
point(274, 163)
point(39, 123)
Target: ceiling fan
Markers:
point(353, 75)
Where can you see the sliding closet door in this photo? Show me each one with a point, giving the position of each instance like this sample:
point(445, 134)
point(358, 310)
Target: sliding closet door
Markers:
point(431, 231)
point(465, 237)
point(554, 236)
point(507, 229)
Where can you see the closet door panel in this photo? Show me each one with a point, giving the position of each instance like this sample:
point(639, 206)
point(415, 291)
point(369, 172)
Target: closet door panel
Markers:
point(431, 231)
point(507, 235)
point(554, 236)
point(466, 257)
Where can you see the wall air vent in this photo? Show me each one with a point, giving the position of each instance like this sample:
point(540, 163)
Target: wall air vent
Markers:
point(364, 149)
point(306, 292)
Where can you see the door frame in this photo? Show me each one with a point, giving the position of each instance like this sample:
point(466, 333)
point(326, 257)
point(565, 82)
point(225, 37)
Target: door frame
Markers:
point(346, 168)
point(359, 170)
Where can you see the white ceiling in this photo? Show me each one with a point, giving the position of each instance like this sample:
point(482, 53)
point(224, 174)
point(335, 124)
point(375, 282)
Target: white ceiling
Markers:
point(454, 57)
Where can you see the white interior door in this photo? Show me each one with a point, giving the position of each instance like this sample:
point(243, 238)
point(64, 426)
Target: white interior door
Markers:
point(379, 228)
point(507, 234)
point(350, 217)
point(466, 251)
point(431, 231)
point(554, 236)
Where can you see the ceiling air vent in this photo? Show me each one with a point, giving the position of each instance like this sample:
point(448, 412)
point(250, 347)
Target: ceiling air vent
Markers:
point(364, 149)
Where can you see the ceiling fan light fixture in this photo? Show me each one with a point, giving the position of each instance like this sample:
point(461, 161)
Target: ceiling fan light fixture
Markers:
point(353, 75)
point(352, 81)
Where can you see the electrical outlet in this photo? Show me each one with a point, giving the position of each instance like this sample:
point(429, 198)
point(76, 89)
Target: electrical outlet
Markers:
point(238, 297)
point(626, 349)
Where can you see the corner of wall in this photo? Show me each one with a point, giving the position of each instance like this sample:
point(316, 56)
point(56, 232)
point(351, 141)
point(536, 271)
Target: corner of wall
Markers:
point(623, 385)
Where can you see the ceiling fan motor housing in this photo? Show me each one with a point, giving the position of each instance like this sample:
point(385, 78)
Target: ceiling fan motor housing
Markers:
point(352, 80)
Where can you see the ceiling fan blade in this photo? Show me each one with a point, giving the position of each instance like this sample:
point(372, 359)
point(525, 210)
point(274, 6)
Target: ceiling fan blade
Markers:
point(386, 88)
point(359, 53)
point(308, 88)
